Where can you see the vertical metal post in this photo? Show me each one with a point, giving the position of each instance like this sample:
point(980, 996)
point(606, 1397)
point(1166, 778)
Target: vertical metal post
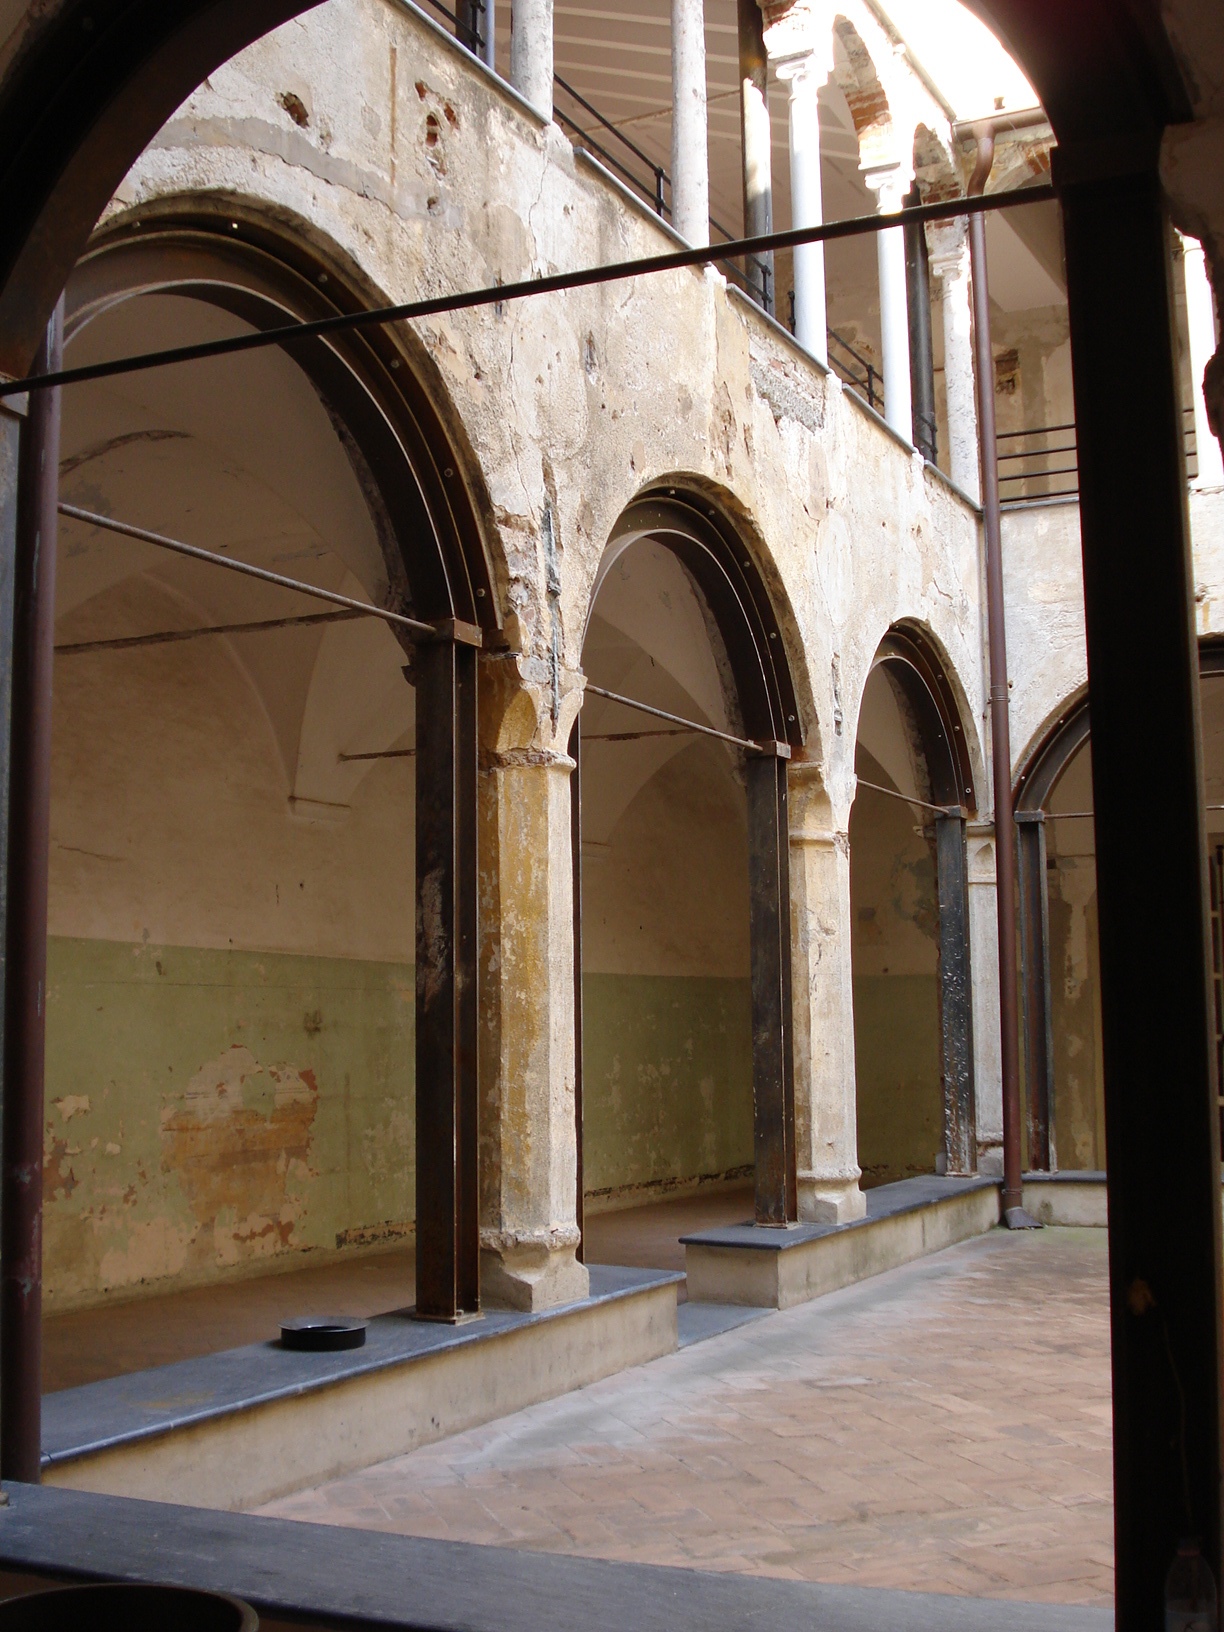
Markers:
point(575, 753)
point(757, 146)
point(1156, 1001)
point(1035, 977)
point(25, 950)
point(922, 346)
point(773, 1074)
point(474, 28)
point(955, 993)
point(448, 1226)
point(1000, 708)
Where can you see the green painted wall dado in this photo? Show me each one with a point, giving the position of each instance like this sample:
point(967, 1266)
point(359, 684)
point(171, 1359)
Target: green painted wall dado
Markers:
point(210, 1109)
point(896, 1061)
point(666, 1079)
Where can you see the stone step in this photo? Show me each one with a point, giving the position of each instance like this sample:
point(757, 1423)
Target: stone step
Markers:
point(778, 1268)
point(237, 1429)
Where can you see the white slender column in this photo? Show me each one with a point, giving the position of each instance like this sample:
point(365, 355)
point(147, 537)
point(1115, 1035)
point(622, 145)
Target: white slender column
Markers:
point(690, 137)
point(890, 186)
point(1200, 312)
point(949, 249)
point(805, 73)
point(531, 53)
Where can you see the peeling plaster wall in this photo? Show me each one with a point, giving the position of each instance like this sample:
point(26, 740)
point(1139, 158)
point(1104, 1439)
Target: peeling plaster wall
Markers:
point(230, 989)
point(414, 174)
point(667, 1056)
point(209, 1112)
point(895, 941)
point(573, 403)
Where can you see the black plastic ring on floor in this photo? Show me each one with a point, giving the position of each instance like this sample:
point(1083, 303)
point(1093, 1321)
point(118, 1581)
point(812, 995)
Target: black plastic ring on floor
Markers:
point(322, 1334)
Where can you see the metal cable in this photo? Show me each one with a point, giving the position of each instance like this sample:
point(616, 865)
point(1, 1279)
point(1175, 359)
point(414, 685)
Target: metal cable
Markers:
point(344, 322)
point(196, 554)
point(675, 719)
point(908, 799)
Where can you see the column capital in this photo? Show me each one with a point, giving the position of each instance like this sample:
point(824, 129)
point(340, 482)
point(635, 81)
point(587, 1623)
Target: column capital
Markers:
point(890, 183)
point(807, 66)
point(948, 248)
point(799, 39)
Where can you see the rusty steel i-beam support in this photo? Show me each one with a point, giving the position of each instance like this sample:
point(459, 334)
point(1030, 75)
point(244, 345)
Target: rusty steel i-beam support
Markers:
point(773, 1074)
point(25, 930)
point(448, 1224)
point(1157, 1022)
point(1035, 974)
point(955, 993)
point(575, 753)
point(1014, 1214)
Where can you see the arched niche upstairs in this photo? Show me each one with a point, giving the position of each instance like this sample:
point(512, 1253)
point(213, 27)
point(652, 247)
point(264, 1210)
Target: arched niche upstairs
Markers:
point(433, 568)
point(931, 754)
point(745, 690)
point(1055, 774)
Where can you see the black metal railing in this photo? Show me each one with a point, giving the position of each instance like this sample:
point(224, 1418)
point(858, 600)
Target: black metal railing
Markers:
point(653, 187)
point(1051, 470)
point(630, 164)
point(856, 371)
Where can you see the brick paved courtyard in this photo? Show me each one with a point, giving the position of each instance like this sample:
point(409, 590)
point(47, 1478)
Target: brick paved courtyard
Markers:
point(944, 1427)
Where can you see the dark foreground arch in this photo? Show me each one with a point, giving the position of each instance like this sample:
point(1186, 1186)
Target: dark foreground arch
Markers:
point(913, 660)
point(720, 564)
point(91, 83)
point(436, 571)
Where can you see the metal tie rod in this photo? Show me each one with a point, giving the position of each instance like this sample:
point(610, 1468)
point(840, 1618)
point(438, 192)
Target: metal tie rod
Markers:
point(343, 322)
point(908, 799)
point(675, 719)
point(245, 567)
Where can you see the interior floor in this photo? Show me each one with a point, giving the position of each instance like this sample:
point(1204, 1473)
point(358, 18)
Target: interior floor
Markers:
point(943, 1427)
point(113, 1339)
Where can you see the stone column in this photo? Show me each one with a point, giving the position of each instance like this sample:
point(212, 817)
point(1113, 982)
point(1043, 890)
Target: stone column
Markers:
point(1201, 316)
point(984, 953)
point(531, 53)
point(826, 1131)
point(805, 73)
point(890, 184)
point(949, 246)
point(528, 1132)
point(690, 139)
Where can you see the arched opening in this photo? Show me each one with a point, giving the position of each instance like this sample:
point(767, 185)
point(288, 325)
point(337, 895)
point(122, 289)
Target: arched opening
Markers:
point(1060, 953)
point(683, 921)
point(253, 1027)
point(913, 1026)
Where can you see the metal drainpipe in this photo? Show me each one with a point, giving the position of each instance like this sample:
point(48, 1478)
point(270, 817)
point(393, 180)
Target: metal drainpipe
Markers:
point(25, 982)
point(1014, 1215)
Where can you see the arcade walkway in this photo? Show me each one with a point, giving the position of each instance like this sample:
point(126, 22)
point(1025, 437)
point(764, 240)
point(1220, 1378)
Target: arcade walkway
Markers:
point(944, 1427)
point(83, 1346)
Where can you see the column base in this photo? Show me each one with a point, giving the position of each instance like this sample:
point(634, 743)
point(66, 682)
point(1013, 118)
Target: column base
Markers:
point(990, 1159)
point(830, 1200)
point(529, 1273)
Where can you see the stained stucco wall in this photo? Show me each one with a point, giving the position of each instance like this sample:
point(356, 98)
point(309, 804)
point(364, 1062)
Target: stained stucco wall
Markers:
point(667, 1069)
point(230, 988)
point(413, 173)
point(895, 936)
